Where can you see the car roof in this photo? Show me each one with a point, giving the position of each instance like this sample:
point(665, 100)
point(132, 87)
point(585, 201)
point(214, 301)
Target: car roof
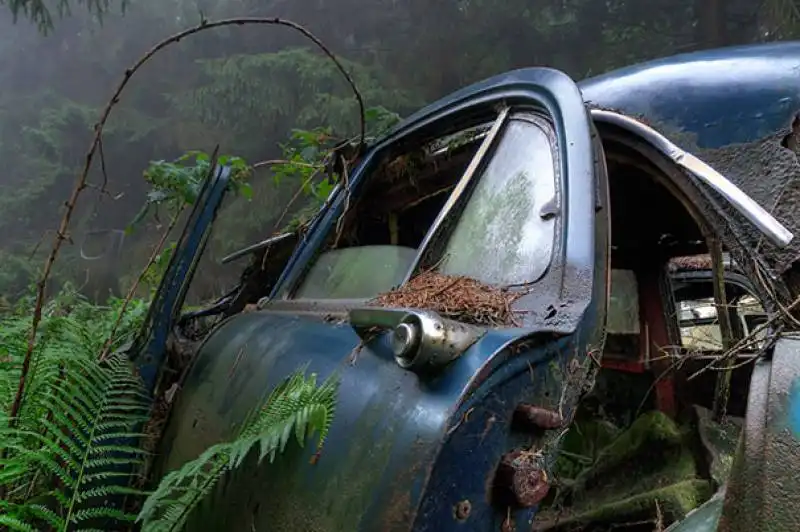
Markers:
point(722, 96)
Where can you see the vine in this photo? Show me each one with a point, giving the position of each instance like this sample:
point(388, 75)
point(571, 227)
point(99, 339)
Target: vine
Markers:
point(81, 181)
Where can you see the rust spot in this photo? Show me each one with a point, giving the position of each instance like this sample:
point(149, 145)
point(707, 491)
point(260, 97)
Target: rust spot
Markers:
point(462, 510)
point(520, 480)
point(537, 417)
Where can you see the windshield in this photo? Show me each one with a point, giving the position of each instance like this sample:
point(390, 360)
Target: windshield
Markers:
point(355, 273)
point(502, 232)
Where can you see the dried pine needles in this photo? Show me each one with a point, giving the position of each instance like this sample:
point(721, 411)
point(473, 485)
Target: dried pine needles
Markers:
point(459, 298)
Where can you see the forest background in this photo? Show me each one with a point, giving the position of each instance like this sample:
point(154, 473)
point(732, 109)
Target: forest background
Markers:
point(250, 89)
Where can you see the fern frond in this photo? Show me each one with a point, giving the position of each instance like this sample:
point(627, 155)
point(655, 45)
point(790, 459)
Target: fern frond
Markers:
point(73, 445)
point(15, 524)
point(297, 406)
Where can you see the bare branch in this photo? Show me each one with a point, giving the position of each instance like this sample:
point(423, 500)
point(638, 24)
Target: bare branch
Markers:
point(81, 180)
point(132, 291)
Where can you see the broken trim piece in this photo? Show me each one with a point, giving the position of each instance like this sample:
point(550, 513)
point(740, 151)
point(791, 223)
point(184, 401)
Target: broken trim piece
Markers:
point(256, 247)
point(747, 206)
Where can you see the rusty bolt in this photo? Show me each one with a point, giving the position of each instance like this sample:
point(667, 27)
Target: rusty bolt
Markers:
point(462, 510)
point(537, 417)
point(524, 482)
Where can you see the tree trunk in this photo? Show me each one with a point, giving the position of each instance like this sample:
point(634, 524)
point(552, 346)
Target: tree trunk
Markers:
point(712, 23)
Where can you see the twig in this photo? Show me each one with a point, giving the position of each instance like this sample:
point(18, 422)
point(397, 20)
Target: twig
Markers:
point(275, 162)
point(102, 155)
point(722, 389)
point(746, 340)
point(346, 189)
point(80, 181)
point(296, 195)
point(132, 291)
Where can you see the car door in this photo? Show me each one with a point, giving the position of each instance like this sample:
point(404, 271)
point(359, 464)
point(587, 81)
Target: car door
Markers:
point(149, 349)
point(419, 429)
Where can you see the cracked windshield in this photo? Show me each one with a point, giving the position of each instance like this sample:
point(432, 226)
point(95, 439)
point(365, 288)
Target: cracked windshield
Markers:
point(367, 266)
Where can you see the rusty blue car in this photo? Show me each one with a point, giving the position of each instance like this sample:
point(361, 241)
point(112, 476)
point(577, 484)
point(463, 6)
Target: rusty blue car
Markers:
point(572, 200)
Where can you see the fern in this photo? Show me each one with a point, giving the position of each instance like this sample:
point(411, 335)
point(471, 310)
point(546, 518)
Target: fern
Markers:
point(68, 458)
point(298, 406)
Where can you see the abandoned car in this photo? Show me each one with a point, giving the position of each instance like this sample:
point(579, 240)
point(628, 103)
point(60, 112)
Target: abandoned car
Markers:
point(474, 272)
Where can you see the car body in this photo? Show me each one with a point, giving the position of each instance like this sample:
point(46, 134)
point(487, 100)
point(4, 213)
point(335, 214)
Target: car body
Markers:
point(430, 437)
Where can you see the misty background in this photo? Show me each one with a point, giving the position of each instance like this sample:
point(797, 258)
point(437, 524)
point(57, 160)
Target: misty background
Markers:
point(247, 88)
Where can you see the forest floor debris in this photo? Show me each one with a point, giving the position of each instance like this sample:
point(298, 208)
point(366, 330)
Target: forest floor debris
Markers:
point(454, 297)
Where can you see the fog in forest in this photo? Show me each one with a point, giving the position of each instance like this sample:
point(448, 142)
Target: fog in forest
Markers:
point(246, 89)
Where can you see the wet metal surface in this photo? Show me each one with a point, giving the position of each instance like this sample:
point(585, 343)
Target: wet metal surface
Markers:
point(406, 450)
point(385, 447)
point(764, 488)
point(748, 207)
point(151, 345)
point(733, 108)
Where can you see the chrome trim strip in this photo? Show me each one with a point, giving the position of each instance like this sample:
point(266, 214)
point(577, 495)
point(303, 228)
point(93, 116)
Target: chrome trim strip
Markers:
point(747, 206)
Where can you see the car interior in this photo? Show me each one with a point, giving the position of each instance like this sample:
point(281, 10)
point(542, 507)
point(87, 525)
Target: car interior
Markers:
point(656, 322)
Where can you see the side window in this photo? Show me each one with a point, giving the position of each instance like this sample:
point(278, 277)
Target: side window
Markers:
point(622, 323)
point(699, 324)
point(623, 305)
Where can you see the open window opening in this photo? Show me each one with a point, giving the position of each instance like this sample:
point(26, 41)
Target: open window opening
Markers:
point(649, 226)
point(480, 204)
point(698, 318)
point(662, 321)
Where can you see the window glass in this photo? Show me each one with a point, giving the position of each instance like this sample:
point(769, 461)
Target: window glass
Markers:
point(374, 244)
point(623, 304)
point(502, 236)
point(699, 324)
point(355, 273)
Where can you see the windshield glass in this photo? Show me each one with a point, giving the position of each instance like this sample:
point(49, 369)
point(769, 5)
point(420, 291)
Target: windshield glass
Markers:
point(355, 273)
point(501, 233)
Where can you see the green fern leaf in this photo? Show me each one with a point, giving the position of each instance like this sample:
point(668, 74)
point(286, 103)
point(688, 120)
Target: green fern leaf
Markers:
point(15, 524)
point(68, 451)
point(291, 408)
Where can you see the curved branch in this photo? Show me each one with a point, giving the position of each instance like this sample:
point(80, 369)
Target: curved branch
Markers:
point(81, 180)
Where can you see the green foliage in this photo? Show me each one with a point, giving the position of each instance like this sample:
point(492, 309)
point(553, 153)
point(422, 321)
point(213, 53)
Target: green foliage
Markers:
point(69, 450)
point(253, 95)
point(17, 273)
point(298, 406)
point(72, 450)
point(40, 13)
point(177, 184)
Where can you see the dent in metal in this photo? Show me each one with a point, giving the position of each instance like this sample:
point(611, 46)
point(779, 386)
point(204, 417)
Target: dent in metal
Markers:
point(749, 208)
point(421, 339)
